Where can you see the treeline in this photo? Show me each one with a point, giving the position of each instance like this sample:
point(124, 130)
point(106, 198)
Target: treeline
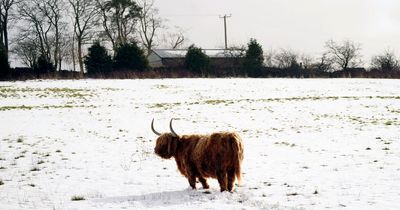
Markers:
point(340, 60)
point(52, 35)
point(112, 38)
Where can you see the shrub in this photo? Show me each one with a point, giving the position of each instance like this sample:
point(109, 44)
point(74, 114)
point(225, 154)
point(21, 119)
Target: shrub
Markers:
point(77, 198)
point(43, 65)
point(197, 61)
point(98, 60)
point(254, 58)
point(130, 57)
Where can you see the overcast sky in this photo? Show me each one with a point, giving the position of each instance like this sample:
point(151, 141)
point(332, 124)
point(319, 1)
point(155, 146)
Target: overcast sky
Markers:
point(301, 25)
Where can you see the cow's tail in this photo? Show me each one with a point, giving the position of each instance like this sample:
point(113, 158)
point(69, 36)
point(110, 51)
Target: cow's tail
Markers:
point(237, 148)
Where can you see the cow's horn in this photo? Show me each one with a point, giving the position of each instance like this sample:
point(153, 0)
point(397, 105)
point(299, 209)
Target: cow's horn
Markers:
point(152, 128)
point(172, 130)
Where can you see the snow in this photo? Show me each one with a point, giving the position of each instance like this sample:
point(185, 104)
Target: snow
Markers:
point(309, 143)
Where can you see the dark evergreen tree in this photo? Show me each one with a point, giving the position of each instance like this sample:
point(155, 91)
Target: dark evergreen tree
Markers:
point(130, 57)
point(4, 65)
point(197, 61)
point(98, 60)
point(43, 65)
point(254, 59)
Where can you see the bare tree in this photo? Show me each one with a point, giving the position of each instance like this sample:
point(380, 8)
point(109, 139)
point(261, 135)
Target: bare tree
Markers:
point(345, 54)
point(53, 10)
point(386, 62)
point(269, 58)
point(67, 50)
point(28, 51)
point(36, 27)
point(174, 39)
point(44, 19)
point(85, 16)
point(306, 61)
point(5, 9)
point(150, 23)
point(119, 20)
point(324, 63)
point(286, 59)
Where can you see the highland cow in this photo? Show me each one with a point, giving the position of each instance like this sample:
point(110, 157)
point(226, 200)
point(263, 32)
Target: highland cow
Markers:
point(218, 155)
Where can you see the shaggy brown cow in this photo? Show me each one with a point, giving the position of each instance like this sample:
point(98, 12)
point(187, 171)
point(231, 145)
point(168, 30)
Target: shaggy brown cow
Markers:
point(218, 155)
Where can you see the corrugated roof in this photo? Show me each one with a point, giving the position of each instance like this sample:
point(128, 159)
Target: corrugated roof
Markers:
point(212, 53)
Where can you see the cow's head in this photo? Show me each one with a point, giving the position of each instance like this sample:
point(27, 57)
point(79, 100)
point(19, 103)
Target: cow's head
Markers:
point(166, 143)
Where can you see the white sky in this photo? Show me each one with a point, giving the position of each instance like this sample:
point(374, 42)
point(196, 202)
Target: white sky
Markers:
point(300, 25)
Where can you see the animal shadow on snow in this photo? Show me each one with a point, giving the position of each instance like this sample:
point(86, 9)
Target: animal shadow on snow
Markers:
point(165, 198)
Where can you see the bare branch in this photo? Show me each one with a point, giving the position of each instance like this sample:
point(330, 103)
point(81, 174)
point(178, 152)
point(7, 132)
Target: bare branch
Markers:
point(344, 55)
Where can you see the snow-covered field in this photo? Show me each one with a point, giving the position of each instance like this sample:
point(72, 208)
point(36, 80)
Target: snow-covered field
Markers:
point(309, 144)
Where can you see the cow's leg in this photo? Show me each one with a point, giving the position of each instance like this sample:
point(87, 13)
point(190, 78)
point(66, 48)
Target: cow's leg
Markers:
point(191, 172)
point(192, 181)
point(231, 179)
point(204, 182)
point(221, 173)
point(222, 179)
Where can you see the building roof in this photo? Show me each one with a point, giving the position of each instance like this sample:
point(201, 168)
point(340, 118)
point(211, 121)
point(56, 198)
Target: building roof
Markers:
point(212, 53)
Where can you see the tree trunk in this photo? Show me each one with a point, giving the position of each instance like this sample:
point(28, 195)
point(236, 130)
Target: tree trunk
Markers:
point(80, 59)
point(57, 50)
point(5, 37)
point(73, 53)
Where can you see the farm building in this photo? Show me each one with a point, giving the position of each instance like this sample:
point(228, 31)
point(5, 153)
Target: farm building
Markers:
point(175, 58)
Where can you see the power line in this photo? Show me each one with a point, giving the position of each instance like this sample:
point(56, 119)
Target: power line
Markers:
point(226, 37)
point(189, 15)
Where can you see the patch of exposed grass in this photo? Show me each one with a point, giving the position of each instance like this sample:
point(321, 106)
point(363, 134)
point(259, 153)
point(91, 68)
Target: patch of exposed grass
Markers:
point(285, 144)
point(388, 122)
point(397, 111)
point(161, 86)
point(216, 102)
point(23, 107)
point(6, 92)
point(35, 169)
point(159, 105)
point(77, 198)
point(164, 105)
point(18, 157)
point(111, 89)
point(1, 182)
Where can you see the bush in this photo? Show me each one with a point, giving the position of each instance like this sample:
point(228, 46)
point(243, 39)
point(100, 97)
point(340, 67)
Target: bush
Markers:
point(43, 65)
point(98, 60)
point(77, 198)
point(4, 65)
point(196, 60)
point(130, 57)
point(254, 59)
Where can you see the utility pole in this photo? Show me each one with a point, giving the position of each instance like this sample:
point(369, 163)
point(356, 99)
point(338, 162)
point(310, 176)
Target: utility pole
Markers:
point(226, 38)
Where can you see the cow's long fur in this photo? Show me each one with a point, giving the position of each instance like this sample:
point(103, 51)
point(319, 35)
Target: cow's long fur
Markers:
point(218, 156)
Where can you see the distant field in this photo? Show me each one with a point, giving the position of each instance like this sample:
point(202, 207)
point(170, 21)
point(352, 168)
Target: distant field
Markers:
point(309, 143)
